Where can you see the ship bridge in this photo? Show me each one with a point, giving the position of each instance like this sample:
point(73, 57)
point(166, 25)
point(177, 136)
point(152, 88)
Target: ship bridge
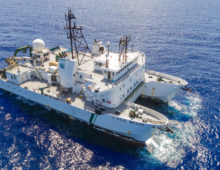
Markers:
point(115, 65)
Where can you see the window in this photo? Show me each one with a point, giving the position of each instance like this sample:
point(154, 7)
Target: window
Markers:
point(80, 76)
point(13, 76)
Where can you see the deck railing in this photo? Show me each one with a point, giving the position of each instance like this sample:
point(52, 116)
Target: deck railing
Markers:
point(161, 118)
point(126, 75)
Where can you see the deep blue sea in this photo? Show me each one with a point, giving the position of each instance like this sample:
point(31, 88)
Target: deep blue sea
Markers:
point(179, 37)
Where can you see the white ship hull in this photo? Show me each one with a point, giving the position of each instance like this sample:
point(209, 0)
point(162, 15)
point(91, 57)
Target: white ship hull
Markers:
point(127, 129)
point(163, 90)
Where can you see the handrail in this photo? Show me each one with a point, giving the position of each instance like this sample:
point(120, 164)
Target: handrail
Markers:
point(169, 77)
point(24, 49)
point(161, 118)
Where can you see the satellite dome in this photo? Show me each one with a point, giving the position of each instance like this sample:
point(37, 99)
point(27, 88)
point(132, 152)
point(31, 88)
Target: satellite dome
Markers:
point(38, 45)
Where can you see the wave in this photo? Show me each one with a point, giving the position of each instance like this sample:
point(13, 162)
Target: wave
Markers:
point(171, 148)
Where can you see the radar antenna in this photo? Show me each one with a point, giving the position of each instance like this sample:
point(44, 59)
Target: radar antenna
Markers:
point(76, 36)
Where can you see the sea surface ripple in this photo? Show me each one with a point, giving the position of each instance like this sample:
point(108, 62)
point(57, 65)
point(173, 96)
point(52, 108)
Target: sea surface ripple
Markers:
point(179, 37)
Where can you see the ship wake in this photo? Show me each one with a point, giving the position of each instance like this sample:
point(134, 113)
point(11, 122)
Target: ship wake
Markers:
point(172, 148)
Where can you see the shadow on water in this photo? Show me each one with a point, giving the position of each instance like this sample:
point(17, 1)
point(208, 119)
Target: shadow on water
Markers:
point(33, 131)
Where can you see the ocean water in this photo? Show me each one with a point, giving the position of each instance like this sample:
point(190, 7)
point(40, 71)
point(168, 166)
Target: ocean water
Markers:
point(179, 37)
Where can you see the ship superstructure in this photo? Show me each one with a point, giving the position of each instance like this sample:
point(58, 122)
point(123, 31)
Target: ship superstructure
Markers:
point(97, 87)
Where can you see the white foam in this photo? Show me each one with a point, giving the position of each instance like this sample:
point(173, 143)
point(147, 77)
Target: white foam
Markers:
point(167, 149)
point(191, 107)
point(170, 148)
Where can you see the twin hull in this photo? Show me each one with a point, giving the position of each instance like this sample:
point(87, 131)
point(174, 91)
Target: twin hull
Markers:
point(127, 129)
point(162, 91)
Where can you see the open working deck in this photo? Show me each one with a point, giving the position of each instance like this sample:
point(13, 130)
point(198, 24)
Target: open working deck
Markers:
point(123, 111)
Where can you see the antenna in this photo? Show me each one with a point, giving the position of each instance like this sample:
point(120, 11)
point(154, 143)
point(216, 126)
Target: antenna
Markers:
point(108, 44)
point(75, 35)
point(123, 45)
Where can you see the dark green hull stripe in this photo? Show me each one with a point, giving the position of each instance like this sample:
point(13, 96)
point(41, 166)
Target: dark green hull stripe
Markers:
point(91, 118)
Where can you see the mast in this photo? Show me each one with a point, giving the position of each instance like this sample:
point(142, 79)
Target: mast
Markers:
point(69, 17)
point(123, 46)
point(76, 36)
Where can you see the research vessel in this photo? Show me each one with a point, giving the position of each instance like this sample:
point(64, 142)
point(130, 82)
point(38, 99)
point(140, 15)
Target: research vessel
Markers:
point(97, 87)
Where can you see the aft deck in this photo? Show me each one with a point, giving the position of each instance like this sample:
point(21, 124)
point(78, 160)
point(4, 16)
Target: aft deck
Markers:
point(43, 88)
